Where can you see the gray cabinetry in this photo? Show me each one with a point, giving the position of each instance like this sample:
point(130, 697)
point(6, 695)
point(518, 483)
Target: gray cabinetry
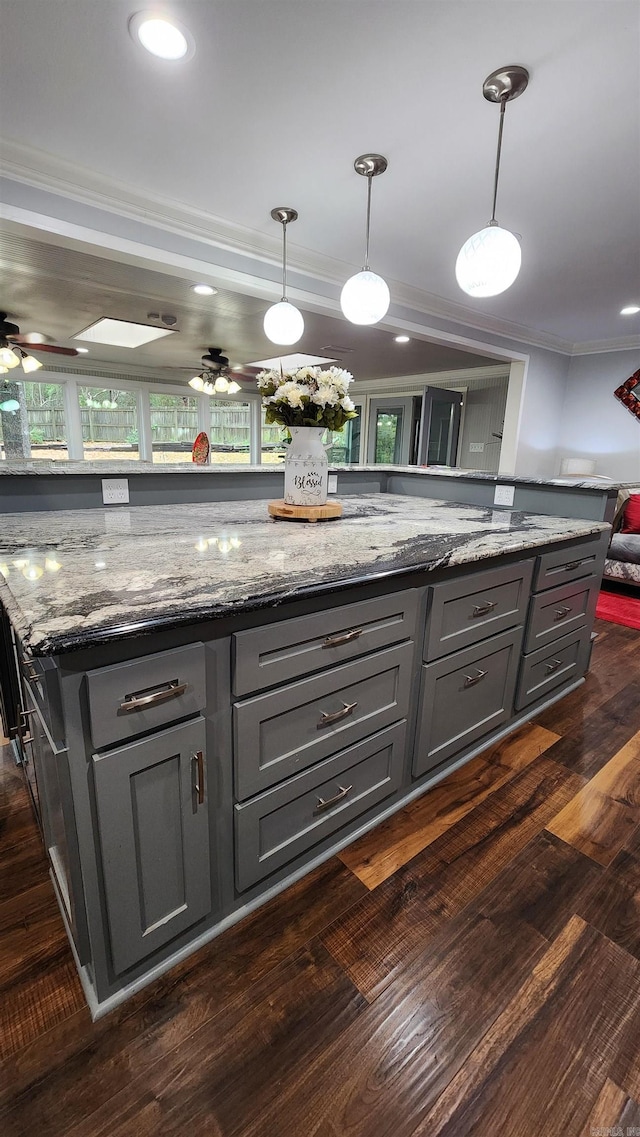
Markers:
point(553, 665)
point(154, 839)
point(277, 826)
point(134, 698)
point(286, 730)
point(560, 610)
point(464, 611)
point(464, 697)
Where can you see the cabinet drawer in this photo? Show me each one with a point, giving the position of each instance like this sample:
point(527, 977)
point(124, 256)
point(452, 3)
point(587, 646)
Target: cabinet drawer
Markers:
point(279, 652)
point(285, 731)
point(552, 666)
point(561, 610)
point(584, 558)
point(284, 822)
point(134, 698)
point(464, 697)
point(463, 612)
point(43, 679)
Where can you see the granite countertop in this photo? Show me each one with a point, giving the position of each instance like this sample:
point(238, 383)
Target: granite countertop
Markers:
point(78, 578)
point(131, 467)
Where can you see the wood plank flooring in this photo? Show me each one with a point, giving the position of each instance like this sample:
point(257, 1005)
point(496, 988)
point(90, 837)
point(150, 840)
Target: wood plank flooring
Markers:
point(471, 967)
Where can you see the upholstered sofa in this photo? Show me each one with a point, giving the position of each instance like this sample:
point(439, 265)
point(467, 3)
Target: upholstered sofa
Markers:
point(623, 558)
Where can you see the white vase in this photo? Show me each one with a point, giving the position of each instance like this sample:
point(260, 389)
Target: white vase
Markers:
point(306, 467)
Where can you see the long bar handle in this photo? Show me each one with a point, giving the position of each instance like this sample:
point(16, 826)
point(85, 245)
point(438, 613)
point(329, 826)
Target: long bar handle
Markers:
point(198, 758)
point(327, 720)
point(560, 613)
point(483, 609)
point(471, 680)
point(139, 702)
point(343, 638)
point(322, 804)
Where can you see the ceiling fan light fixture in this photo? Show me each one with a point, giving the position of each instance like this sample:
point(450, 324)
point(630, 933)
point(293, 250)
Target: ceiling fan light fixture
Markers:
point(164, 38)
point(30, 363)
point(221, 384)
point(283, 323)
point(8, 357)
point(197, 383)
point(233, 388)
point(365, 297)
point(489, 261)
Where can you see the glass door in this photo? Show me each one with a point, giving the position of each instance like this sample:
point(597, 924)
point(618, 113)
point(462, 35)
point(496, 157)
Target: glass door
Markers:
point(390, 431)
point(439, 427)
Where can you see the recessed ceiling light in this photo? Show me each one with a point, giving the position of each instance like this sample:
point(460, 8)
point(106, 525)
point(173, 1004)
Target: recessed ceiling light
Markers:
point(630, 310)
point(402, 339)
point(121, 333)
point(165, 38)
point(204, 289)
point(83, 350)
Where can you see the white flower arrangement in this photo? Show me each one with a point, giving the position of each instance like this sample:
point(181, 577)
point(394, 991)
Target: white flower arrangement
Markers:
point(308, 396)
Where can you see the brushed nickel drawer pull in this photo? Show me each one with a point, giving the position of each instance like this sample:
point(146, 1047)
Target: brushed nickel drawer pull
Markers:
point(139, 702)
point(573, 565)
point(198, 758)
point(483, 609)
point(30, 671)
point(560, 613)
point(327, 720)
point(553, 666)
point(343, 638)
point(471, 680)
point(322, 804)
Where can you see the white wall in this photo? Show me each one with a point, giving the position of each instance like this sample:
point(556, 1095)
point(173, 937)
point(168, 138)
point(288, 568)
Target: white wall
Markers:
point(541, 414)
point(595, 424)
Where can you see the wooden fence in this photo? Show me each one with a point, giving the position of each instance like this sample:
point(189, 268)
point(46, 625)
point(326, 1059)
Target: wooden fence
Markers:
point(230, 426)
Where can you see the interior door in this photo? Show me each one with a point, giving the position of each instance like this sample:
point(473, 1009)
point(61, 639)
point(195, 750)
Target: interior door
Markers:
point(439, 427)
point(390, 423)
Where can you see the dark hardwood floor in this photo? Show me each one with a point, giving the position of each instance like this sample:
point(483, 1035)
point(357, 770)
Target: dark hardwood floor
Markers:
point(471, 967)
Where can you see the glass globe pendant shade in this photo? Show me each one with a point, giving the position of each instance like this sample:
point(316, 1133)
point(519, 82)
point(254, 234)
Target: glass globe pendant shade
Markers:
point(283, 323)
point(197, 383)
point(365, 298)
point(489, 262)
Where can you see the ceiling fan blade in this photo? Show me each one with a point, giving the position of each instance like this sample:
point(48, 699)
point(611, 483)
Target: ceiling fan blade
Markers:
point(34, 348)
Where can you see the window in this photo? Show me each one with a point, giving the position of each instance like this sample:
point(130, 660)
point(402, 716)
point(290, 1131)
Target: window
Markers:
point(274, 441)
point(109, 423)
point(174, 426)
point(229, 432)
point(32, 421)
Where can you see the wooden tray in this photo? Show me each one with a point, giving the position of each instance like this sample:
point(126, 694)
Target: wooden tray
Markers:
point(283, 512)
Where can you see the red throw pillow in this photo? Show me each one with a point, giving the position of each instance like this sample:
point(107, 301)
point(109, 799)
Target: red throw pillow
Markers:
point(631, 519)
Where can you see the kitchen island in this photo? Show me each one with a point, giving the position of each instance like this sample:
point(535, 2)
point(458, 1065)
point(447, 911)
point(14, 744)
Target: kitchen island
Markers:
point(215, 702)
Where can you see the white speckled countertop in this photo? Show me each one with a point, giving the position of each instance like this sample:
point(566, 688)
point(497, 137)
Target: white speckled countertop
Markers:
point(76, 578)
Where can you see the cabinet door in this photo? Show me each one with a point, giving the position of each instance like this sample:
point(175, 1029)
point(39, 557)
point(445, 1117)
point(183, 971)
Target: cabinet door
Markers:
point(154, 838)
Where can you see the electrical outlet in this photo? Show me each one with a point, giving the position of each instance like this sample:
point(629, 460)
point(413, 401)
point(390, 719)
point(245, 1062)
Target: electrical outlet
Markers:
point(504, 495)
point(476, 447)
point(115, 491)
point(333, 483)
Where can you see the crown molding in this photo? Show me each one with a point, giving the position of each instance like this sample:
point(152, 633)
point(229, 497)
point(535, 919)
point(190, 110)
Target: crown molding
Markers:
point(595, 347)
point(472, 375)
point(47, 172)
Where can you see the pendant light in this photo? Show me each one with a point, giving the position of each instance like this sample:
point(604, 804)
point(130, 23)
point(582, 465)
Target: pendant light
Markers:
point(489, 262)
point(283, 322)
point(365, 297)
point(8, 356)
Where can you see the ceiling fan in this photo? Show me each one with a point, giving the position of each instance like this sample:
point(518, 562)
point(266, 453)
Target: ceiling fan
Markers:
point(216, 376)
point(12, 348)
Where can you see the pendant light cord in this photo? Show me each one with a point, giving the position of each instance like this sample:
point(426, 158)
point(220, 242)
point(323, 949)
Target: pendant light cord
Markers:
point(503, 103)
point(365, 267)
point(284, 260)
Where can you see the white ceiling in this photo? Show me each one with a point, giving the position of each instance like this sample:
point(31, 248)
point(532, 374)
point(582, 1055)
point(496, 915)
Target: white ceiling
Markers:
point(279, 99)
